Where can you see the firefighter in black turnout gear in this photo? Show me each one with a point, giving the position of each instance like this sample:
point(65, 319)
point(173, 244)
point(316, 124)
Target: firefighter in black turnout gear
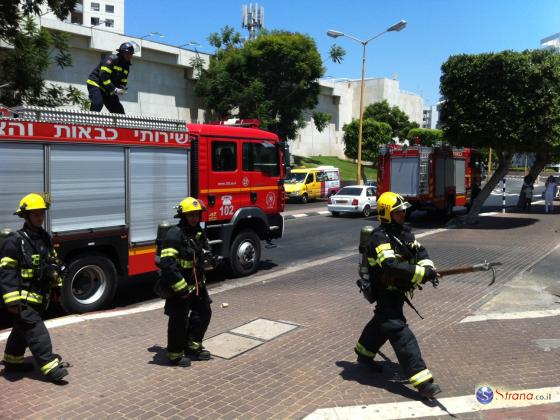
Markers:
point(109, 79)
point(185, 254)
point(398, 264)
point(30, 274)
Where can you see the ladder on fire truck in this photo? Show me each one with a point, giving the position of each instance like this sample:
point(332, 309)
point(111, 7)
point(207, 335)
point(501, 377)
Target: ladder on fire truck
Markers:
point(71, 116)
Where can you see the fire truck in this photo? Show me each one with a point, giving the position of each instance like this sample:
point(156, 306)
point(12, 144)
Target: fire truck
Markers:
point(112, 179)
point(433, 178)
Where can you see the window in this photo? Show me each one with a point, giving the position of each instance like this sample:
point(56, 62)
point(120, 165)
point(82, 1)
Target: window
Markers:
point(369, 192)
point(95, 7)
point(109, 8)
point(321, 176)
point(95, 21)
point(109, 23)
point(261, 157)
point(310, 178)
point(224, 156)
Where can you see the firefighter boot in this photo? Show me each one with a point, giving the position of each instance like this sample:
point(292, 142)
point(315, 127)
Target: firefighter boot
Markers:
point(196, 351)
point(370, 363)
point(182, 361)
point(429, 389)
point(57, 373)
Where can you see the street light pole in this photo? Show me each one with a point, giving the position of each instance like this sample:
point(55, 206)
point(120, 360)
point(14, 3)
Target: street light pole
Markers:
point(335, 34)
point(360, 129)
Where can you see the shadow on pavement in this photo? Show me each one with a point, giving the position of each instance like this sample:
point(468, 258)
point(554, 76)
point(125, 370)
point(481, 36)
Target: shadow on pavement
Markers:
point(159, 356)
point(353, 371)
point(494, 223)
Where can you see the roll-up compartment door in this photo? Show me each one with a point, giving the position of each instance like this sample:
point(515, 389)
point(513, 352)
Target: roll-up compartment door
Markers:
point(404, 176)
point(158, 182)
point(460, 176)
point(87, 187)
point(21, 173)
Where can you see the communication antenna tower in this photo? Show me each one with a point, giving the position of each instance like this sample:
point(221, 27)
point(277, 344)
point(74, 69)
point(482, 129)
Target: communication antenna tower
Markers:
point(252, 18)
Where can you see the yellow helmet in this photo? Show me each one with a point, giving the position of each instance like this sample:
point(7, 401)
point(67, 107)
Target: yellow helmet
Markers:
point(387, 203)
point(31, 202)
point(188, 205)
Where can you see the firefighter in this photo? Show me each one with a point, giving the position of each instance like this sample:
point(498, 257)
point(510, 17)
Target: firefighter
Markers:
point(185, 254)
point(30, 274)
point(398, 264)
point(109, 79)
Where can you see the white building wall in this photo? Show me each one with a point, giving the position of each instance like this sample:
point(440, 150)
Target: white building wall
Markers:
point(341, 100)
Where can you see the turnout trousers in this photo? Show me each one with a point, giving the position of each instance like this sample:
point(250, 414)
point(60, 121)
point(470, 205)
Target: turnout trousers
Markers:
point(379, 330)
point(188, 321)
point(99, 98)
point(29, 330)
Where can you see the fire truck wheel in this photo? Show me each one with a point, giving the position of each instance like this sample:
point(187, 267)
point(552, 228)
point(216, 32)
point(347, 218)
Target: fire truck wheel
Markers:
point(304, 199)
point(366, 211)
point(245, 253)
point(89, 285)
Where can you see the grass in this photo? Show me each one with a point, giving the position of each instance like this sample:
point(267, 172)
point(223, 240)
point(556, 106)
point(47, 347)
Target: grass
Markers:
point(347, 169)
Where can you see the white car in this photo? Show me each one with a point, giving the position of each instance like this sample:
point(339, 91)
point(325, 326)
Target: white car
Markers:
point(353, 199)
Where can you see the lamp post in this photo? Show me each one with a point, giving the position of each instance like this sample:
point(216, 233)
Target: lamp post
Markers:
point(153, 34)
point(335, 34)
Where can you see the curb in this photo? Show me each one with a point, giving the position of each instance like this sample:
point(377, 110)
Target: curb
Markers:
point(308, 214)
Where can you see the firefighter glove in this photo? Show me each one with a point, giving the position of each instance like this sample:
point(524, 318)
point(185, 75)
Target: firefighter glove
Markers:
point(119, 91)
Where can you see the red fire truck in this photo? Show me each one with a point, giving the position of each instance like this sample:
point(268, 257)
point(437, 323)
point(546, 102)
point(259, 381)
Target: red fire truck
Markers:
point(113, 178)
point(431, 178)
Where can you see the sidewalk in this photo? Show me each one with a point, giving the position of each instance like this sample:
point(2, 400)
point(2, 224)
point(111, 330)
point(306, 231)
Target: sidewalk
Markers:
point(119, 363)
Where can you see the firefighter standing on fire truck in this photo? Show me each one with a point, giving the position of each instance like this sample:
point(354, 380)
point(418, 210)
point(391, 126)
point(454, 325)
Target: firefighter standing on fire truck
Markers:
point(398, 264)
point(185, 254)
point(109, 79)
point(30, 274)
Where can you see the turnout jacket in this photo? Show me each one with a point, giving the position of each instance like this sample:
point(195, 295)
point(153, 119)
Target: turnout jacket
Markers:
point(111, 73)
point(24, 275)
point(180, 259)
point(397, 262)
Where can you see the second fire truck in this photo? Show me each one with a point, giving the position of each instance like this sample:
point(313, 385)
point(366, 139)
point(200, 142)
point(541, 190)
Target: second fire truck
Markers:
point(113, 178)
point(434, 178)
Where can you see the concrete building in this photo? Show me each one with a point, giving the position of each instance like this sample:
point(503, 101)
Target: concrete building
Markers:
point(431, 117)
point(552, 41)
point(341, 100)
point(161, 81)
point(102, 14)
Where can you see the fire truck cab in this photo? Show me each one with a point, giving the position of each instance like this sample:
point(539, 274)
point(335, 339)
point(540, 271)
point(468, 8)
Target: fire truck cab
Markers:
point(434, 178)
point(112, 179)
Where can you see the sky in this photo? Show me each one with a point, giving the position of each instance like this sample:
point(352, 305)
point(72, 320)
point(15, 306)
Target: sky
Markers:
point(435, 30)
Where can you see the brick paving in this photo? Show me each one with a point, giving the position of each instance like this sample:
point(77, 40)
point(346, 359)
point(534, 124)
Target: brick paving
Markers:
point(119, 363)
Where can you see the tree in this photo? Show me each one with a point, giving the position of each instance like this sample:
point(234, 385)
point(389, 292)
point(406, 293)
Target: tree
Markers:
point(273, 78)
point(397, 119)
point(22, 66)
point(374, 134)
point(426, 136)
point(13, 11)
point(509, 101)
point(321, 120)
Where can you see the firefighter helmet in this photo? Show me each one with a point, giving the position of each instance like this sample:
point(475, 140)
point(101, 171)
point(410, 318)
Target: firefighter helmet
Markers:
point(388, 203)
point(31, 202)
point(189, 205)
point(126, 47)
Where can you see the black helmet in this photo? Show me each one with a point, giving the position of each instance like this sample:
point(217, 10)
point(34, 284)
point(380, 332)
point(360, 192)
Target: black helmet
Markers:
point(126, 47)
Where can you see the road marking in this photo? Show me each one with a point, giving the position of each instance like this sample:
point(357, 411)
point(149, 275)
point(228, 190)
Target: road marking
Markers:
point(453, 405)
point(229, 285)
point(512, 315)
point(323, 212)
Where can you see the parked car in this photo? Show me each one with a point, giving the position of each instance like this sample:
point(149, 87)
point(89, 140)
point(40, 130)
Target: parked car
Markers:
point(353, 199)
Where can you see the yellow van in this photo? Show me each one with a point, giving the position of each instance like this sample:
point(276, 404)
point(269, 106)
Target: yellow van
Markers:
point(312, 183)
